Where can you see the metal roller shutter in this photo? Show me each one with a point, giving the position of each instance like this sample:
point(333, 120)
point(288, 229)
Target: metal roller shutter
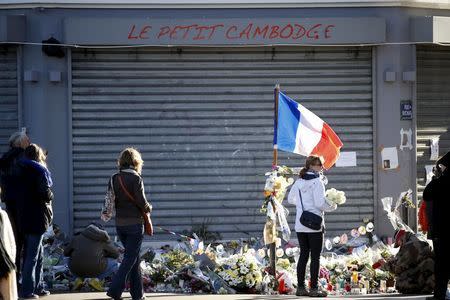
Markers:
point(203, 119)
point(433, 106)
point(8, 95)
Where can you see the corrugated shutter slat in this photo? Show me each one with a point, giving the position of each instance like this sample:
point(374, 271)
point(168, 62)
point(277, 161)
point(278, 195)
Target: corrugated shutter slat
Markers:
point(203, 120)
point(8, 95)
point(433, 106)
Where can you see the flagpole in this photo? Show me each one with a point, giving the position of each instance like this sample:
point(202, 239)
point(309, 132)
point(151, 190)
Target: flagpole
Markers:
point(272, 246)
point(275, 118)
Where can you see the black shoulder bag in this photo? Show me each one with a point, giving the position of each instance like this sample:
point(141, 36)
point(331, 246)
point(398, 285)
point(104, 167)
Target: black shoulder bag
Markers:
point(308, 218)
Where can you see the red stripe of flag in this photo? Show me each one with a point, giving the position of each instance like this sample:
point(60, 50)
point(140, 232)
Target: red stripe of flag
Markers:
point(328, 147)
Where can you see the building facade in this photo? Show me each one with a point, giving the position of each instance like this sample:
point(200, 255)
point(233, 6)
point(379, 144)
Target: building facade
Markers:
point(190, 84)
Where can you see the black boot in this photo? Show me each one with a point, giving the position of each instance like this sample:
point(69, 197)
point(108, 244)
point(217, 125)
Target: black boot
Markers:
point(315, 292)
point(301, 291)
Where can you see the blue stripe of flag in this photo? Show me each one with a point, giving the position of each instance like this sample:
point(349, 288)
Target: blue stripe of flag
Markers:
point(288, 121)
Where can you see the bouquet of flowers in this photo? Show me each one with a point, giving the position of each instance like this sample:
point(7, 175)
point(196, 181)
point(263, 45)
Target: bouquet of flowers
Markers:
point(241, 272)
point(177, 259)
point(277, 183)
point(335, 196)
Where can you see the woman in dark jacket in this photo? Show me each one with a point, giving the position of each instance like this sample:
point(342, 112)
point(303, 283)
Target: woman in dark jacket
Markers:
point(36, 215)
point(129, 222)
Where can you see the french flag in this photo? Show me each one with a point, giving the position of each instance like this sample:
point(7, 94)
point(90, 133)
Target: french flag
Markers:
point(302, 132)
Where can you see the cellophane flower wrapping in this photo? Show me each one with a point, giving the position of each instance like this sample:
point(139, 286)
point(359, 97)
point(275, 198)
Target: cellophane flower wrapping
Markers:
point(277, 183)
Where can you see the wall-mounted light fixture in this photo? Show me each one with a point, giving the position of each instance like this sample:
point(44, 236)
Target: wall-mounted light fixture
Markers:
point(409, 76)
point(390, 76)
point(31, 76)
point(54, 76)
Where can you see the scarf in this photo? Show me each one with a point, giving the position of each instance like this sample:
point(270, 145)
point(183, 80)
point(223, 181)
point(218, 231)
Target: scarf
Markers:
point(310, 175)
point(41, 168)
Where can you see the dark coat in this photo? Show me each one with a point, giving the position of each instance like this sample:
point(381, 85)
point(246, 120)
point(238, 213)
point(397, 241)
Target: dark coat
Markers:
point(128, 212)
point(88, 251)
point(438, 193)
point(35, 209)
point(10, 181)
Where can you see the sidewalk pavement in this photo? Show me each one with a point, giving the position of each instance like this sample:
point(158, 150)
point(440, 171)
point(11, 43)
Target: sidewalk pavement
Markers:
point(168, 296)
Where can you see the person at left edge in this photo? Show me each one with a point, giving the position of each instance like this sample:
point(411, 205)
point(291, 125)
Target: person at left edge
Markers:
point(11, 186)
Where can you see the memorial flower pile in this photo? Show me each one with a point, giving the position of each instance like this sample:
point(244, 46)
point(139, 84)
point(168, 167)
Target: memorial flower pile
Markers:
point(242, 266)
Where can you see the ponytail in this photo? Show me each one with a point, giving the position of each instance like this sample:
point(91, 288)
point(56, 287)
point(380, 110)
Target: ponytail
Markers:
point(302, 172)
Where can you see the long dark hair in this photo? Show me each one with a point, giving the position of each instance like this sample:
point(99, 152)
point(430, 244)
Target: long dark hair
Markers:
point(310, 160)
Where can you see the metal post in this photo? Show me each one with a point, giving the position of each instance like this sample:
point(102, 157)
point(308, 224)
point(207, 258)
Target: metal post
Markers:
point(274, 164)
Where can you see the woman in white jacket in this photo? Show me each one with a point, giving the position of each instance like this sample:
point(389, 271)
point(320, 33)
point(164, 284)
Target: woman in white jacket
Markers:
point(309, 190)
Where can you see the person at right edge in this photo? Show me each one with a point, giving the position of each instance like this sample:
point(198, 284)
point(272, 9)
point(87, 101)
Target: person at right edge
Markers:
point(312, 191)
point(436, 196)
point(129, 222)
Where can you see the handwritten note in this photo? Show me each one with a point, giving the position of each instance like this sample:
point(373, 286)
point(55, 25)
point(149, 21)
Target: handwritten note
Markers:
point(434, 147)
point(346, 159)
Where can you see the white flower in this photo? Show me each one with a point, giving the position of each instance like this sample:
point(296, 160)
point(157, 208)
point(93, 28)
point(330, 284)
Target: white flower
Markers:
point(261, 253)
point(335, 196)
point(336, 240)
point(280, 252)
point(220, 249)
point(243, 270)
point(251, 283)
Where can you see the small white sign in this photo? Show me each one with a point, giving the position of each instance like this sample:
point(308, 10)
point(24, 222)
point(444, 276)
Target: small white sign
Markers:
point(405, 139)
point(389, 158)
point(346, 159)
point(434, 145)
point(429, 173)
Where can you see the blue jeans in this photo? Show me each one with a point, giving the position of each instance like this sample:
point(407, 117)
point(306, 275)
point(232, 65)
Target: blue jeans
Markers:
point(131, 237)
point(32, 281)
point(111, 268)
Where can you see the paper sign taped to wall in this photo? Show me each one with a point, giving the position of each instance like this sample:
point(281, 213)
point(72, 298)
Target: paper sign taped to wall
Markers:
point(346, 159)
point(389, 158)
point(429, 173)
point(434, 145)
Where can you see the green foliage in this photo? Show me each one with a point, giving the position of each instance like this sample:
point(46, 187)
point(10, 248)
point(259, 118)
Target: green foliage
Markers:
point(177, 259)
